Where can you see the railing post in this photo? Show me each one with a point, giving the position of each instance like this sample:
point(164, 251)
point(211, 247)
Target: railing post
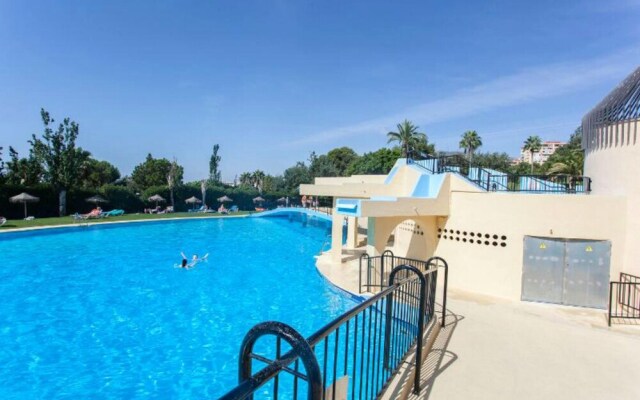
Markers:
point(386, 253)
point(387, 330)
point(387, 338)
point(610, 300)
point(381, 271)
point(365, 255)
point(445, 265)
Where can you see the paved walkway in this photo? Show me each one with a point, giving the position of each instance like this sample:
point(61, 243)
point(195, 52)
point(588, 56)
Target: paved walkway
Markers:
point(499, 349)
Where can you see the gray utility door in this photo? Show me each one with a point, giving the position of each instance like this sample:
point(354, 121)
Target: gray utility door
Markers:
point(566, 271)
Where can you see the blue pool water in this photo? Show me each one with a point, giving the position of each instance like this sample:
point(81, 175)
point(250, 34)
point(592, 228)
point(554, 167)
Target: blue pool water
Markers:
point(101, 312)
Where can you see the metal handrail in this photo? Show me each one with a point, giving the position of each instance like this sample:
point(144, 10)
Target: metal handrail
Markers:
point(382, 266)
point(493, 182)
point(393, 351)
point(626, 302)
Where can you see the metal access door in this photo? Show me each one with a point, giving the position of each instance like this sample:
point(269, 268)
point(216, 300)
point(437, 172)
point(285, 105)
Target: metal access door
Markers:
point(566, 271)
point(543, 270)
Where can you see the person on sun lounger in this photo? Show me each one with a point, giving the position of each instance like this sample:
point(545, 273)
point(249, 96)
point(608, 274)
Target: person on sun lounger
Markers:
point(95, 213)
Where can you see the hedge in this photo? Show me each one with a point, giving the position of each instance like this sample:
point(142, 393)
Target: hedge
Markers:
point(125, 198)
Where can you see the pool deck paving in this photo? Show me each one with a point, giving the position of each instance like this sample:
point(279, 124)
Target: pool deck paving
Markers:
point(494, 348)
point(500, 349)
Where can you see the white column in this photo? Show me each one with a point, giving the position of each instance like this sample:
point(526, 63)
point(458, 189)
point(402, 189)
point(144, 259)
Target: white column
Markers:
point(352, 232)
point(371, 237)
point(336, 235)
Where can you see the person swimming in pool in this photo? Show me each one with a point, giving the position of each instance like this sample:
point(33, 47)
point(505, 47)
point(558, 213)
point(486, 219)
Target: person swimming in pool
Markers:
point(194, 260)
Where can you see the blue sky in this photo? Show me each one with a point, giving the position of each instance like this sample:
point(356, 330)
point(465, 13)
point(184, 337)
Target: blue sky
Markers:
point(270, 81)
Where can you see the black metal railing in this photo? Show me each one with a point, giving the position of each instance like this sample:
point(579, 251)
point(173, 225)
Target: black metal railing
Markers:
point(497, 181)
point(374, 271)
point(354, 356)
point(624, 297)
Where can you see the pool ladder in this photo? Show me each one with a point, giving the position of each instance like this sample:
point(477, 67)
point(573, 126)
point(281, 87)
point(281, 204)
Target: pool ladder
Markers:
point(327, 241)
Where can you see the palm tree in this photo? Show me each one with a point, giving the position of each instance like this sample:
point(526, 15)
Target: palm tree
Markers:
point(258, 179)
point(533, 144)
point(406, 136)
point(470, 142)
point(246, 179)
point(570, 164)
point(171, 179)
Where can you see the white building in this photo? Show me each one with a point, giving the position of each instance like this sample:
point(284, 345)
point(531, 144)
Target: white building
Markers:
point(547, 149)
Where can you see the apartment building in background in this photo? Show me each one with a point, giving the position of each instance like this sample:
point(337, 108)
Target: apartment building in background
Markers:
point(547, 149)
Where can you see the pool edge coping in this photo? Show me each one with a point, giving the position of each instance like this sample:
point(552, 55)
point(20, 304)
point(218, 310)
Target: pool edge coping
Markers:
point(92, 224)
point(354, 296)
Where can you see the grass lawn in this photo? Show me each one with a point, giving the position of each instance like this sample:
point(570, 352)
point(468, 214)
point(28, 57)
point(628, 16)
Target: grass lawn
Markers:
point(14, 223)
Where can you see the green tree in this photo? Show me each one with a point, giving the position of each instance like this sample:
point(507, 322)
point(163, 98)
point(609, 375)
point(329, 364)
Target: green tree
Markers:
point(174, 178)
point(321, 166)
point(214, 165)
point(533, 144)
point(423, 147)
point(94, 174)
point(570, 163)
point(154, 172)
point(378, 162)
point(296, 175)
point(273, 184)
point(341, 158)
point(2, 171)
point(496, 161)
point(568, 159)
point(57, 154)
point(575, 140)
point(470, 142)
point(23, 171)
point(406, 137)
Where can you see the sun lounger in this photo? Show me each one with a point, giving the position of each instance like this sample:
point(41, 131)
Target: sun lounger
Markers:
point(77, 217)
point(3, 221)
point(234, 209)
point(113, 213)
point(201, 209)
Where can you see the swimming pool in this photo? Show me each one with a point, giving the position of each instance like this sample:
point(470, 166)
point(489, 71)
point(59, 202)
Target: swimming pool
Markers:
point(101, 312)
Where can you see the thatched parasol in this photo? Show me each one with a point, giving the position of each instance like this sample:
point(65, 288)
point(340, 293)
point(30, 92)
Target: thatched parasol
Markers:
point(224, 199)
point(96, 199)
point(157, 198)
point(258, 199)
point(24, 198)
point(193, 200)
